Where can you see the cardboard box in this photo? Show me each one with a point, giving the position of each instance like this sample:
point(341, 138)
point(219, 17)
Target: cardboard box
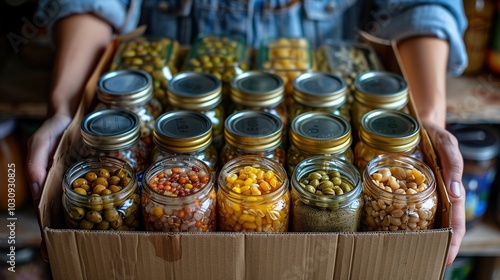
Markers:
point(80, 254)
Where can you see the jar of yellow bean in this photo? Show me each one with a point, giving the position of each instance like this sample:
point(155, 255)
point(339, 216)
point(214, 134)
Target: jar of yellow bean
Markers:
point(253, 196)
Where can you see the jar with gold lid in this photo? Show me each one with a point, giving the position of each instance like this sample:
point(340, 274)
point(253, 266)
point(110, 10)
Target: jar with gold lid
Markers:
point(252, 132)
point(199, 92)
point(386, 132)
point(186, 133)
point(317, 133)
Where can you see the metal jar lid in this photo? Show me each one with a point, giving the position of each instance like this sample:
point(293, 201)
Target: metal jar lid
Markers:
point(125, 87)
point(477, 142)
point(194, 90)
point(182, 131)
point(253, 130)
point(257, 89)
point(389, 130)
point(110, 129)
point(320, 89)
point(381, 89)
point(320, 133)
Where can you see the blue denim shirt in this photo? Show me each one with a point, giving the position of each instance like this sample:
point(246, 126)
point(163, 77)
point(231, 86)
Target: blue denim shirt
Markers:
point(317, 20)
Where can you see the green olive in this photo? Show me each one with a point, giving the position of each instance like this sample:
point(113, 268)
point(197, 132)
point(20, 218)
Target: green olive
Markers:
point(310, 189)
point(129, 220)
point(94, 216)
point(95, 203)
point(121, 173)
point(337, 181)
point(90, 176)
point(79, 182)
point(117, 223)
point(86, 224)
point(338, 191)
point(123, 228)
point(102, 225)
point(324, 185)
point(103, 172)
point(114, 180)
point(328, 191)
point(314, 176)
point(111, 215)
point(100, 181)
point(80, 191)
point(314, 183)
point(124, 182)
point(76, 213)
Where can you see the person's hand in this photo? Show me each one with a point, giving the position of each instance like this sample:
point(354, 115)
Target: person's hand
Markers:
point(450, 158)
point(41, 147)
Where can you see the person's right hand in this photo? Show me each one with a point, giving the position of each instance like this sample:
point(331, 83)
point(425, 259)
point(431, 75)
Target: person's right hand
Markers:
point(41, 147)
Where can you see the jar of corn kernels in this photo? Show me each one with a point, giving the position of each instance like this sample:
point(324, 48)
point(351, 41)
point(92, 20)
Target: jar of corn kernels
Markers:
point(253, 196)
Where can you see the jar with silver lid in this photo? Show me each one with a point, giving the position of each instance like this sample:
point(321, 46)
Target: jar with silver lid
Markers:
point(199, 92)
point(114, 133)
point(377, 90)
point(131, 90)
point(255, 90)
point(253, 132)
point(386, 132)
point(319, 92)
point(186, 133)
point(317, 133)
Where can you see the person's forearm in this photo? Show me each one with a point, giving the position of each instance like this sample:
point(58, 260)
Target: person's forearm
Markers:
point(80, 40)
point(424, 61)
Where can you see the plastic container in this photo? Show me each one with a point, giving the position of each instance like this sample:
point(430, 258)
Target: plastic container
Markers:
point(326, 196)
point(179, 196)
point(109, 200)
point(253, 196)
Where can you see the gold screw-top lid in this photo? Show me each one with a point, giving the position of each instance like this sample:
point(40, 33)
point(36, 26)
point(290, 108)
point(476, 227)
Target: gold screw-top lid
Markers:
point(320, 133)
point(125, 87)
point(320, 89)
point(389, 130)
point(110, 129)
point(379, 89)
point(194, 91)
point(253, 130)
point(182, 131)
point(257, 89)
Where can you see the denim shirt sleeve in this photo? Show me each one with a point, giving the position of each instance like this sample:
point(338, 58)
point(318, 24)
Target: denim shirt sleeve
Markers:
point(444, 19)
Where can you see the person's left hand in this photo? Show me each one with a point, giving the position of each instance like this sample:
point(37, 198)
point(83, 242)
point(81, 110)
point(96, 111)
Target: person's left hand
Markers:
point(451, 162)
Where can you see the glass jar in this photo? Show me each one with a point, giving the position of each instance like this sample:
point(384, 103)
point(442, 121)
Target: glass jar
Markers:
point(253, 196)
point(260, 91)
point(114, 133)
point(199, 92)
point(386, 132)
point(377, 90)
point(131, 90)
point(317, 133)
point(179, 196)
point(184, 133)
point(318, 208)
point(253, 133)
point(319, 92)
point(101, 193)
point(408, 200)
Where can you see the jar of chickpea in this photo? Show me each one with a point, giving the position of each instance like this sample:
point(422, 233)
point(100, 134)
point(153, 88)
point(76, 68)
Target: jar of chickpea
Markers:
point(179, 196)
point(399, 193)
point(101, 193)
point(253, 196)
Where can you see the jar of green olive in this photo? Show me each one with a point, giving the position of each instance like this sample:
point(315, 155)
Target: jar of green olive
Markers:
point(319, 92)
point(101, 193)
point(253, 196)
point(386, 132)
point(326, 196)
point(199, 92)
point(399, 193)
point(255, 133)
point(184, 133)
point(131, 90)
point(317, 133)
point(179, 196)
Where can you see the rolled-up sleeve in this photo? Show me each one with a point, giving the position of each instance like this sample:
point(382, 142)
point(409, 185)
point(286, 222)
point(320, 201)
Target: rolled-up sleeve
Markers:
point(443, 19)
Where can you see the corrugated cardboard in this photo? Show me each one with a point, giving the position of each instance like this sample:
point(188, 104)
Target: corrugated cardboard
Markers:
point(80, 254)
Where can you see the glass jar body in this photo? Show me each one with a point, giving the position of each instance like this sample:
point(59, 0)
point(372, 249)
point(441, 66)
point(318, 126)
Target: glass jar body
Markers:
point(364, 153)
point(208, 155)
point(230, 152)
point(295, 155)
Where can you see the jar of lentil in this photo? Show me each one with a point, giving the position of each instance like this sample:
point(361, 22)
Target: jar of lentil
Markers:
point(114, 133)
point(179, 196)
point(317, 133)
point(199, 92)
point(101, 193)
point(326, 196)
point(253, 196)
point(386, 132)
point(319, 92)
point(377, 90)
point(399, 193)
point(184, 133)
point(131, 90)
point(255, 90)
point(255, 133)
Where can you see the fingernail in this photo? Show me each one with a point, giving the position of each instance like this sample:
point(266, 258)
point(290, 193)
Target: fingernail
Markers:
point(35, 191)
point(455, 189)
